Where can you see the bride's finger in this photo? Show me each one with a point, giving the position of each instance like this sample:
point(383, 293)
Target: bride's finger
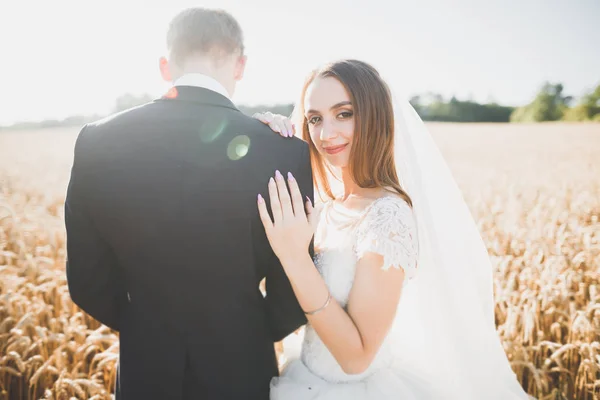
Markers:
point(276, 127)
point(309, 206)
point(288, 127)
point(312, 213)
point(297, 202)
point(275, 203)
point(264, 214)
point(284, 197)
point(281, 124)
point(282, 128)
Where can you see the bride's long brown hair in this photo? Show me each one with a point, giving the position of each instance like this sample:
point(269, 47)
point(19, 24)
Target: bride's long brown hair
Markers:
point(372, 154)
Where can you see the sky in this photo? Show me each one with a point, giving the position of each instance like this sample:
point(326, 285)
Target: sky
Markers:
point(65, 57)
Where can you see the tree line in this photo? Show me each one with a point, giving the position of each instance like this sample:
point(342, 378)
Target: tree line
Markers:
point(549, 104)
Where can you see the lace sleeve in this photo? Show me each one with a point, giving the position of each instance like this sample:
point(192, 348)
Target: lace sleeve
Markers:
point(389, 228)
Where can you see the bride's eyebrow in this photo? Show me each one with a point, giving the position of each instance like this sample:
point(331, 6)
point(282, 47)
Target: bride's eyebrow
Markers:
point(333, 107)
point(341, 104)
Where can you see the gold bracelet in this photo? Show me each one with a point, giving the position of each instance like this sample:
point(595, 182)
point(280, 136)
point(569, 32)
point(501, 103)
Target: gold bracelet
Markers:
point(321, 308)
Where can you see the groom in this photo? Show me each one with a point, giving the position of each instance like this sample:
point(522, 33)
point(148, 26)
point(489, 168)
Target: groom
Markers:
point(164, 240)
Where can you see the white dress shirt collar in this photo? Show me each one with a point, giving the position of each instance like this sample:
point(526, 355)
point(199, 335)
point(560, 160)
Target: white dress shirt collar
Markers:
point(203, 81)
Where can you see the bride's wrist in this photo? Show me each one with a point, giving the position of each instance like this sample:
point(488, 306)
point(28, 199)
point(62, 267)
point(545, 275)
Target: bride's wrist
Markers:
point(296, 262)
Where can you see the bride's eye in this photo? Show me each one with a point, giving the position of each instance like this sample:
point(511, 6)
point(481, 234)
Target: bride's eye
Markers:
point(345, 114)
point(314, 120)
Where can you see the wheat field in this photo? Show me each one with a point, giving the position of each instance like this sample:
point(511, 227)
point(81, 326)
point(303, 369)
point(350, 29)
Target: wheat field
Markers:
point(534, 190)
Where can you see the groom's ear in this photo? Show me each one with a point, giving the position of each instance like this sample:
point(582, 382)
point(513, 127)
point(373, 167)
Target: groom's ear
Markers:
point(165, 71)
point(240, 67)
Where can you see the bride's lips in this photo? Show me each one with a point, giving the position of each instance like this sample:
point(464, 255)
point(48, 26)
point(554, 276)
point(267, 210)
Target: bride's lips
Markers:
point(335, 149)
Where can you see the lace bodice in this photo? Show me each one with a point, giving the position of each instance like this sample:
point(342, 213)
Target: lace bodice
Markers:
point(386, 227)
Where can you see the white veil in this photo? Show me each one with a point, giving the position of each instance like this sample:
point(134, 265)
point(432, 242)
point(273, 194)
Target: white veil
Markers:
point(445, 325)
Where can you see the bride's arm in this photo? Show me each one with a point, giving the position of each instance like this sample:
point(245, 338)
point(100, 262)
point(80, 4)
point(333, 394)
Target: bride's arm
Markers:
point(353, 337)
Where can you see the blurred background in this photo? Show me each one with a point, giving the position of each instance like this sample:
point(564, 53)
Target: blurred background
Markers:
point(510, 91)
point(464, 60)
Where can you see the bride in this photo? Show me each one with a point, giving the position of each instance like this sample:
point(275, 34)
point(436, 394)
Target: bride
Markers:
point(399, 295)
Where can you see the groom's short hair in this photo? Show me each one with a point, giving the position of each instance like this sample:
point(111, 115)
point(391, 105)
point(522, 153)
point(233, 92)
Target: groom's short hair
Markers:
point(203, 31)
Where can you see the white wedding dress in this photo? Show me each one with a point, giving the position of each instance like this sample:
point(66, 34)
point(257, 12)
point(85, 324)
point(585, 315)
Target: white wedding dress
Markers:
point(386, 227)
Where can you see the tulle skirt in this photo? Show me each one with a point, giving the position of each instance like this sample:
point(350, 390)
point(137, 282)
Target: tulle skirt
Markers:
point(396, 382)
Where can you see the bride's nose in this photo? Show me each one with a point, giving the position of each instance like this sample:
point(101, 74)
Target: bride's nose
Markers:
point(328, 130)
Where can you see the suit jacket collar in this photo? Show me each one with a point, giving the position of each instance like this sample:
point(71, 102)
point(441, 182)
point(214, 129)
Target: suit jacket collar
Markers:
point(198, 95)
point(201, 80)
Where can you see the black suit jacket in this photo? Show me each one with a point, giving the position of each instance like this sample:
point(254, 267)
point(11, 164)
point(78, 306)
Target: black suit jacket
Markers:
point(165, 245)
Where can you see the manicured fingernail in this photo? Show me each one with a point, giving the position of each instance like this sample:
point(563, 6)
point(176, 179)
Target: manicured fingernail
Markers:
point(271, 180)
point(290, 176)
point(260, 198)
point(278, 175)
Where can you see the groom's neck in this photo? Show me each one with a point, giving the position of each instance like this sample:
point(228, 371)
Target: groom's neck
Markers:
point(221, 73)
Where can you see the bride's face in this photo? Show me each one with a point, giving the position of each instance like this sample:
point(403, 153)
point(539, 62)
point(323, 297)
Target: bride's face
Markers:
point(330, 119)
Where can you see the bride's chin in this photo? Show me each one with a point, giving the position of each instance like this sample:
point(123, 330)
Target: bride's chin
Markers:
point(338, 163)
point(335, 161)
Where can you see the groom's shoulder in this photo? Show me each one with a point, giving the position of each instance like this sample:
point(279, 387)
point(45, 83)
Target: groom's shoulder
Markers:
point(269, 140)
point(132, 114)
point(112, 130)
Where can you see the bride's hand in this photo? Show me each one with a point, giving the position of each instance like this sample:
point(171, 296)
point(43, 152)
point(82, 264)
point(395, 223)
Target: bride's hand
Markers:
point(292, 228)
point(277, 123)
